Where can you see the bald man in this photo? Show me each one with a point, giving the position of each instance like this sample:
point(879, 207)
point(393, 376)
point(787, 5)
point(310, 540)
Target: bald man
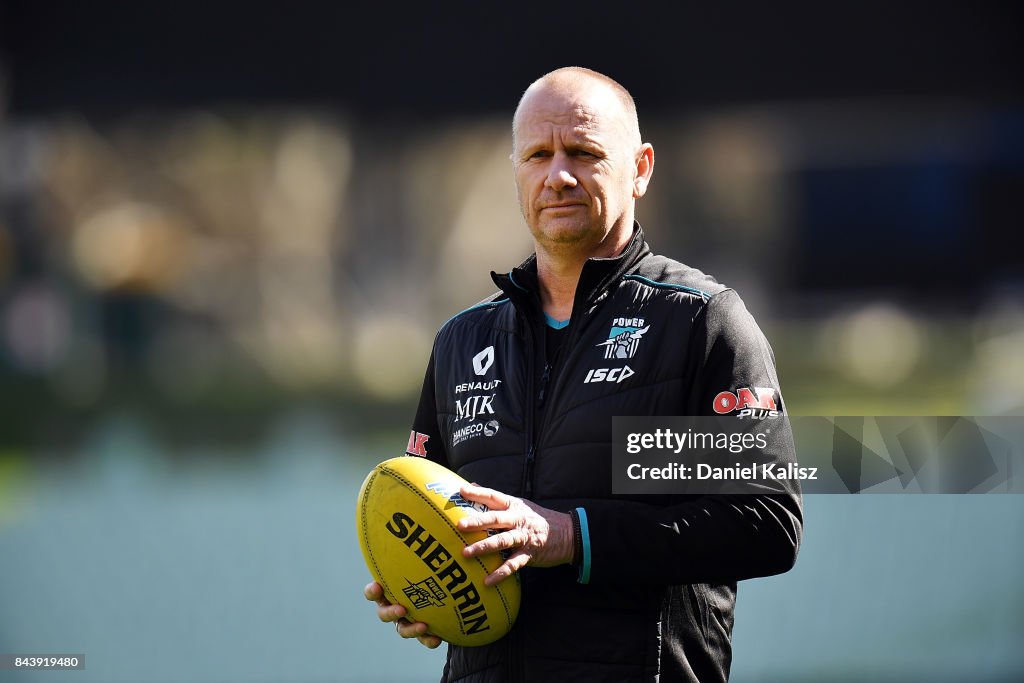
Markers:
point(594, 325)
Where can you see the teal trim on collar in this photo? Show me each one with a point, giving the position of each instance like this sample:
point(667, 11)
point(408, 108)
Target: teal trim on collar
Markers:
point(556, 324)
point(682, 288)
point(482, 304)
point(513, 280)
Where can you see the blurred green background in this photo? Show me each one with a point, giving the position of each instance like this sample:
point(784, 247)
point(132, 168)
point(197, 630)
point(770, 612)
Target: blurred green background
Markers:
point(227, 239)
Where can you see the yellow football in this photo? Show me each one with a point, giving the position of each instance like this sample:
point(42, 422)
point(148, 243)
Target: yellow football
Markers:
point(406, 519)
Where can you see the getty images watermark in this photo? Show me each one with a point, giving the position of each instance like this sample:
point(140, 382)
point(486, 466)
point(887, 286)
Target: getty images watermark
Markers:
point(859, 454)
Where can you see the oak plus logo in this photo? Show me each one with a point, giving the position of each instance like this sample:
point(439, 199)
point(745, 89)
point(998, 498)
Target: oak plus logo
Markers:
point(624, 337)
point(483, 361)
point(417, 444)
point(755, 403)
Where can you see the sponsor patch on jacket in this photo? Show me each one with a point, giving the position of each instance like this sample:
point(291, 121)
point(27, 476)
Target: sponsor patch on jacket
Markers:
point(624, 337)
point(417, 444)
point(615, 375)
point(756, 403)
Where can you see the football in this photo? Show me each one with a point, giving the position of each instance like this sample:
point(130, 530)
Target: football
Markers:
point(406, 518)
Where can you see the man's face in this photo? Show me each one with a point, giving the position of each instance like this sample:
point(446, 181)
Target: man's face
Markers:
point(574, 165)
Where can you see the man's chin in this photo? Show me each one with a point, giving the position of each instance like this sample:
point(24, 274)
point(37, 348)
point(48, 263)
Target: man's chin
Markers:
point(567, 232)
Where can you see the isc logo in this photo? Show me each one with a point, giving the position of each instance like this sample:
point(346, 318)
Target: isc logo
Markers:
point(608, 375)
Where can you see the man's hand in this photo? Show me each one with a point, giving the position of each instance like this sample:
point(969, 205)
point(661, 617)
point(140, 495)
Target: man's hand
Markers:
point(543, 537)
point(388, 612)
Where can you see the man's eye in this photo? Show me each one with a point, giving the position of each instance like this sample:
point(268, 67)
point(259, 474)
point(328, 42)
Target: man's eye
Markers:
point(540, 154)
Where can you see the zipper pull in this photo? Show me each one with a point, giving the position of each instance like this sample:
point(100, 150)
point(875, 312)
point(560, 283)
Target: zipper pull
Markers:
point(544, 384)
point(528, 472)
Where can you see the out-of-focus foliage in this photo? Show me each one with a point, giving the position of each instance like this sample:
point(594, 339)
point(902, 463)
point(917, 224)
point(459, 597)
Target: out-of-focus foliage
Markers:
point(216, 262)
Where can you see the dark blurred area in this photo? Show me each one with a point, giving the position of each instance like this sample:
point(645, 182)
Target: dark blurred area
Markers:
point(412, 59)
point(207, 210)
point(229, 231)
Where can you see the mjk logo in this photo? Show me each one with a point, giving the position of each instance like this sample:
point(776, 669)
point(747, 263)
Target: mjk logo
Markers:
point(472, 407)
point(483, 361)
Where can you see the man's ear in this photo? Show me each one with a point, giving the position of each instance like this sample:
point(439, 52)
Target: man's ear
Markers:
point(644, 170)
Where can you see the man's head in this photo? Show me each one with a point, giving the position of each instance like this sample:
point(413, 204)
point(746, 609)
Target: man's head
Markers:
point(579, 162)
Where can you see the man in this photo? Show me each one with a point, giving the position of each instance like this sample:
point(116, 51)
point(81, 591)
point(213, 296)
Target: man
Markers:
point(615, 588)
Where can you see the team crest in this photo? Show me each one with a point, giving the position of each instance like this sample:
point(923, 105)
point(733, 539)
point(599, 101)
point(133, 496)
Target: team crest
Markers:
point(624, 337)
point(426, 593)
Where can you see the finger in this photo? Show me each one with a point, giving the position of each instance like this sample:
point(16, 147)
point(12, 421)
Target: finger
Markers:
point(495, 500)
point(429, 640)
point(509, 567)
point(373, 591)
point(494, 519)
point(411, 629)
point(512, 538)
point(389, 612)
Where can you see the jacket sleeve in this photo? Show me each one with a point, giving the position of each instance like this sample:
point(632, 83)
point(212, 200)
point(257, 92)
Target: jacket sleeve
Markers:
point(712, 538)
point(425, 438)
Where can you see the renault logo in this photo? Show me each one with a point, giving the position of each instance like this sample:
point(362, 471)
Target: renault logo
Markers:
point(483, 361)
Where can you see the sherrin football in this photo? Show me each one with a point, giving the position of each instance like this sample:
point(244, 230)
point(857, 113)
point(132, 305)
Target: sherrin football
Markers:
point(406, 519)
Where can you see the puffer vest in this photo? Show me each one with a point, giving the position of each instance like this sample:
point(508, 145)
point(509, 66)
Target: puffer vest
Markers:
point(541, 429)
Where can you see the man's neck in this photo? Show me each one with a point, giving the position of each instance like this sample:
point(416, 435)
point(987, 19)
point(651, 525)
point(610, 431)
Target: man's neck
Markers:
point(558, 272)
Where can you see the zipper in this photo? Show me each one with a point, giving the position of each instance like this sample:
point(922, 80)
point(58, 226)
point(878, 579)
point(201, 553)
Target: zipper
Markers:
point(526, 486)
point(548, 380)
point(531, 455)
point(543, 385)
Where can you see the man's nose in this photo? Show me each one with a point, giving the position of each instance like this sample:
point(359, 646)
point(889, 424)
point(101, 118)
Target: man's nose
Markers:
point(560, 174)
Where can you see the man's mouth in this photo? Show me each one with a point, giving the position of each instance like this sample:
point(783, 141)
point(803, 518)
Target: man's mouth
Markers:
point(564, 205)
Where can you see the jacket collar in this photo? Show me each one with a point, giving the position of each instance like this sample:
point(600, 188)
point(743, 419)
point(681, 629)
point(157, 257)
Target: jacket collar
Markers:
point(598, 274)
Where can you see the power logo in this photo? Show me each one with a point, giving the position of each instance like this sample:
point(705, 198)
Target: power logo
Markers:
point(624, 337)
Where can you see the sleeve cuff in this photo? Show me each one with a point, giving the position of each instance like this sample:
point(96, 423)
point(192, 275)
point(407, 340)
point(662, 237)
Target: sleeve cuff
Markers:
point(584, 573)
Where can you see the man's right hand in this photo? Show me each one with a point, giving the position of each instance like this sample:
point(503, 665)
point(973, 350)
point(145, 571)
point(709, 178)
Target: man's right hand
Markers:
point(388, 612)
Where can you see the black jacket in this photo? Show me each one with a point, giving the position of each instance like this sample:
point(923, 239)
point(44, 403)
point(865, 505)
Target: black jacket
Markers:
point(661, 589)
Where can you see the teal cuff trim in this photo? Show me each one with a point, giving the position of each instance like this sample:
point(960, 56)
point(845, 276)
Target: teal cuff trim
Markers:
point(584, 576)
point(556, 324)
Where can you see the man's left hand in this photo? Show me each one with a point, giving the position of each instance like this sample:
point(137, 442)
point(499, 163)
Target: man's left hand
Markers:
point(541, 537)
